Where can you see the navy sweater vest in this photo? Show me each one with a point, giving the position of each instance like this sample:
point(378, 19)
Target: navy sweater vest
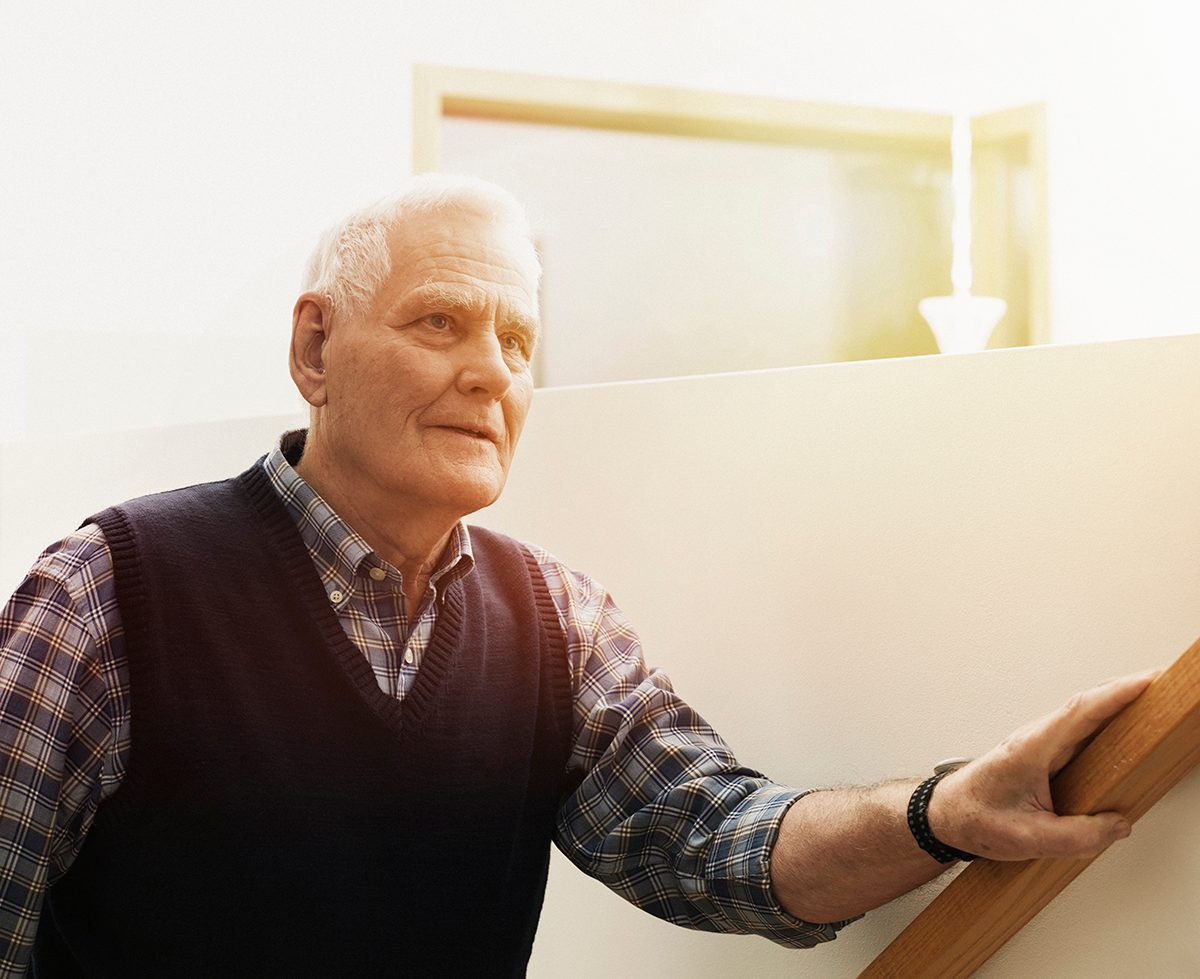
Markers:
point(282, 816)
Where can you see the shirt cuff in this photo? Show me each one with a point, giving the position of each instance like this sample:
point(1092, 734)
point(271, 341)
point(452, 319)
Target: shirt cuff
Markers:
point(738, 875)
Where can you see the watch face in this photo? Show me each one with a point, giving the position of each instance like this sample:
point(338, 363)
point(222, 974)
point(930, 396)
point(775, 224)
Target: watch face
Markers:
point(950, 765)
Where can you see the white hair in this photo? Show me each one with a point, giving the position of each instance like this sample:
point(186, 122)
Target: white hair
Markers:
point(352, 259)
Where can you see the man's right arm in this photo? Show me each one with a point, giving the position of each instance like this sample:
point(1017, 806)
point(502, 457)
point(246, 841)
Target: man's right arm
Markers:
point(61, 706)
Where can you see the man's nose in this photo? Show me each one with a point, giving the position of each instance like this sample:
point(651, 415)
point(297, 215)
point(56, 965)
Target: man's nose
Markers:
point(484, 369)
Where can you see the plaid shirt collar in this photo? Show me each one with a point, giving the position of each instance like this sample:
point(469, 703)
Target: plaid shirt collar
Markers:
point(341, 557)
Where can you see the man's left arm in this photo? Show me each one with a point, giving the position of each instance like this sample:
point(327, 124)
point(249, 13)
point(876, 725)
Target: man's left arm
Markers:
point(667, 817)
point(664, 814)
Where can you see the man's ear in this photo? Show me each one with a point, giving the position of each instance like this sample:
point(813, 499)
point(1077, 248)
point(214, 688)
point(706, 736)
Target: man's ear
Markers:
point(310, 333)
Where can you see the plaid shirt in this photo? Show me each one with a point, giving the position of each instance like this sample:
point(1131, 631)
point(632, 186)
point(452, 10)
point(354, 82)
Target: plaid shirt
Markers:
point(664, 815)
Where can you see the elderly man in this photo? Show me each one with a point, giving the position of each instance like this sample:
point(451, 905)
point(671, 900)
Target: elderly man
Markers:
point(304, 722)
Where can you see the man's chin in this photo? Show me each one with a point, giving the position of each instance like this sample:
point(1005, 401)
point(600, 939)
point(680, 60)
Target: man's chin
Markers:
point(469, 496)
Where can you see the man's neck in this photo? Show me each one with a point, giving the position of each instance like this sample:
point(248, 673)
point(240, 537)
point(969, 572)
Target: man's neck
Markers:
point(410, 541)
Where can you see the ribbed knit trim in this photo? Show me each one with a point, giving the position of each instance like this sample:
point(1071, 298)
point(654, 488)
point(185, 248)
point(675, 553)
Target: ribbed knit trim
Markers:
point(131, 596)
point(282, 533)
point(438, 661)
point(122, 545)
point(554, 644)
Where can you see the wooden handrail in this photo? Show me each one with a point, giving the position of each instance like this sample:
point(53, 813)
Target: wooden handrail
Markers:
point(1129, 766)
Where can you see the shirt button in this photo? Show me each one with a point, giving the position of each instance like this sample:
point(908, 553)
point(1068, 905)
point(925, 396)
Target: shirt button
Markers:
point(336, 596)
point(408, 656)
point(378, 574)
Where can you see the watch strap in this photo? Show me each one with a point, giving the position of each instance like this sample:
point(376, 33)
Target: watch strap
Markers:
point(918, 822)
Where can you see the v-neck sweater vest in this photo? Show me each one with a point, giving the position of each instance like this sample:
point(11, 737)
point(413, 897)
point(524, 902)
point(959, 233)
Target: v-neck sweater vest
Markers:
point(280, 814)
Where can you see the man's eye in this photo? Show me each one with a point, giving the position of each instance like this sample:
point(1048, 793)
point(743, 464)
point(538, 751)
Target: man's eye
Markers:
point(439, 321)
point(513, 343)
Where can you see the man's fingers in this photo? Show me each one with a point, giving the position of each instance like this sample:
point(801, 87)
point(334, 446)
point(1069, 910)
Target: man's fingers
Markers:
point(1085, 713)
point(1003, 799)
point(1076, 837)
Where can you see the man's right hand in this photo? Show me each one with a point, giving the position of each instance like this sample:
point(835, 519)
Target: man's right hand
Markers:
point(999, 806)
point(842, 852)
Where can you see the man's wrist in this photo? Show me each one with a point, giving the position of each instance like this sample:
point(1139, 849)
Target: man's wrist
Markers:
point(945, 814)
point(918, 816)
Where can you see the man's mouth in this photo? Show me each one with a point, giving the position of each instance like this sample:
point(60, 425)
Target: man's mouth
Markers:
point(482, 434)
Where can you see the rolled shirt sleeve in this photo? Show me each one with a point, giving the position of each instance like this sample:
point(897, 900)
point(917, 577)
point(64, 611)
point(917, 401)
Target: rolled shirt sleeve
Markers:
point(663, 813)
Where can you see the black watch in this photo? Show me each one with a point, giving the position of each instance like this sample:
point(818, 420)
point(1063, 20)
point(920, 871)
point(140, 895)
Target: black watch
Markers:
point(918, 814)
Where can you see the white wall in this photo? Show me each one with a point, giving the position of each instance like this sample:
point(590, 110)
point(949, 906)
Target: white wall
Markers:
point(164, 168)
point(935, 550)
point(49, 487)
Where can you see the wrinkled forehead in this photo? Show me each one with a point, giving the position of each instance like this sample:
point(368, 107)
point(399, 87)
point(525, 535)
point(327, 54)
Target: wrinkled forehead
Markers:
point(464, 248)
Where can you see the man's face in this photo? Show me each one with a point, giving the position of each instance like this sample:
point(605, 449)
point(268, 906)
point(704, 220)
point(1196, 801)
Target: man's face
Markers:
point(428, 390)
